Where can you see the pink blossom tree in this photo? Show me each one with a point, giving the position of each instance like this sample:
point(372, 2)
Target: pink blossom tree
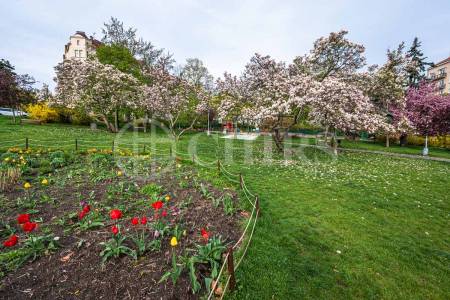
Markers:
point(338, 105)
point(98, 89)
point(266, 93)
point(171, 99)
point(428, 112)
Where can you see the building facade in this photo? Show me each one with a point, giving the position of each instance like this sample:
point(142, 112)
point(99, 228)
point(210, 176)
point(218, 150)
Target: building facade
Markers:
point(80, 46)
point(439, 75)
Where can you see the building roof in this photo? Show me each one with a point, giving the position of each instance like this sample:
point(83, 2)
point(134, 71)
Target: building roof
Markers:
point(443, 62)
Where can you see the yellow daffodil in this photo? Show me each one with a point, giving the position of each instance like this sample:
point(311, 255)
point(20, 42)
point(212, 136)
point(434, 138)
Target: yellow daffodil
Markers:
point(44, 181)
point(167, 197)
point(119, 173)
point(13, 160)
point(27, 185)
point(7, 159)
point(173, 241)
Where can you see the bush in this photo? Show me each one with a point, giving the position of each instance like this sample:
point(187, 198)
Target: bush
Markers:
point(433, 141)
point(41, 111)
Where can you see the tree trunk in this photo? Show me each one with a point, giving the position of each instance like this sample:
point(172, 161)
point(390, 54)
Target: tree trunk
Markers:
point(145, 122)
point(116, 120)
point(403, 139)
point(387, 140)
point(14, 115)
point(278, 139)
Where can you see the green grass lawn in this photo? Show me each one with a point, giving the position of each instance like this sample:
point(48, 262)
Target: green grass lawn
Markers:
point(359, 226)
point(415, 150)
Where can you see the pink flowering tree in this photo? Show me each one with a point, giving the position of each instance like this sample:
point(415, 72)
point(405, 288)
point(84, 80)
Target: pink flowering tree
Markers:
point(428, 112)
point(266, 93)
point(338, 105)
point(387, 90)
point(333, 55)
point(172, 99)
point(98, 89)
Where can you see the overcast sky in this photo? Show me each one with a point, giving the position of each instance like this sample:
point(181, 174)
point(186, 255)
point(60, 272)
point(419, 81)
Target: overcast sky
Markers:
point(224, 34)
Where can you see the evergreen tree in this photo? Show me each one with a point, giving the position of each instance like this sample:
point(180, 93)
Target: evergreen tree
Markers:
point(417, 64)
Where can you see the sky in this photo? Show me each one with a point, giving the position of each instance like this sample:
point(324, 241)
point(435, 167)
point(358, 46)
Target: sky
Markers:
point(223, 34)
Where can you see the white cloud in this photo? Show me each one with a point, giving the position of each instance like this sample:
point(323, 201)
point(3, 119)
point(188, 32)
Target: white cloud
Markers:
point(224, 34)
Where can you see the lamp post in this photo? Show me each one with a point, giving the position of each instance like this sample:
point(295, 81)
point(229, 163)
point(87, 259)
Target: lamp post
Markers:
point(425, 149)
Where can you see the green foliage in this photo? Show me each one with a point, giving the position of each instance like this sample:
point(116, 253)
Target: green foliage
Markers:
point(90, 221)
point(114, 248)
point(152, 189)
point(228, 205)
point(175, 272)
point(121, 58)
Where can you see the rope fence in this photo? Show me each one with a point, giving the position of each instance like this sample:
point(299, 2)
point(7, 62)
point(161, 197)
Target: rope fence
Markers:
point(231, 261)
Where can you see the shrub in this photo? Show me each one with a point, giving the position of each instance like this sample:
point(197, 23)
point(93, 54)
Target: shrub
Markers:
point(41, 111)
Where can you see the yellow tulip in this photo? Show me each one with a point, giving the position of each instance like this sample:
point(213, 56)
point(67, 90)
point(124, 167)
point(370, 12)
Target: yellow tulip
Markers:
point(173, 241)
point(167, 198)
point(27, 185)
point(119, 173)
point(44, 181)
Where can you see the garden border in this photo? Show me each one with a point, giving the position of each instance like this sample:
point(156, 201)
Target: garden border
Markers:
point(230, 261)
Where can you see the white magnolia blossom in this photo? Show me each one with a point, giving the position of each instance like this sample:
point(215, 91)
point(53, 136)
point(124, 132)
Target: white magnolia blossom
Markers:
point(341, 106)
point(96, 88)
point(170, 98)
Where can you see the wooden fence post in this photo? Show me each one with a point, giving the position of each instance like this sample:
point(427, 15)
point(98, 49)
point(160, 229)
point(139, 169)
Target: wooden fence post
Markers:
point(218, 167)
point(241, 180)
point(230, 265)
point(257, 205)
point(26, 143)
point(144, 149)
point(112, 146)
point(76, 144)
point(170, 151)
point(193, 158)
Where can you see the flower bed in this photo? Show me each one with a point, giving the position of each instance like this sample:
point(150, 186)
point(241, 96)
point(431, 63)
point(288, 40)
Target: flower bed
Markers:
point(101, 233)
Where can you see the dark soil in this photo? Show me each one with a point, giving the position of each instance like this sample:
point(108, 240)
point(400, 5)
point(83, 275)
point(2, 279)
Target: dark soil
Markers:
point(74, 272)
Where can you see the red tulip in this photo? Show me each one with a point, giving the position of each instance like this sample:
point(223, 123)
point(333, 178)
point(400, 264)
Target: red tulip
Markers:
point(87, 208)
point(144, 220)
point(115, 229)
point(12, 241)
point(135, 221)
point(23, 218)
point(157, 205)
point(81, 215)
point(164, 213)
point(29, 227)
point(205, 234)
point(115, 214)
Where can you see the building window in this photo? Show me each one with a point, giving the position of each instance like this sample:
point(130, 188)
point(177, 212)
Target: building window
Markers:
point(78, 42)
point(442, 71)
point(80, 52)
point(441, 84)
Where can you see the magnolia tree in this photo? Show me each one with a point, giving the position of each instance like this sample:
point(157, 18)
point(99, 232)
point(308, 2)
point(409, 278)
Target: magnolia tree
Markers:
point(171, 98)
point(333, 55)
point(428, 112)
point(98, 89)
point(265, 93)
point(337, 105)
point(387, 90)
